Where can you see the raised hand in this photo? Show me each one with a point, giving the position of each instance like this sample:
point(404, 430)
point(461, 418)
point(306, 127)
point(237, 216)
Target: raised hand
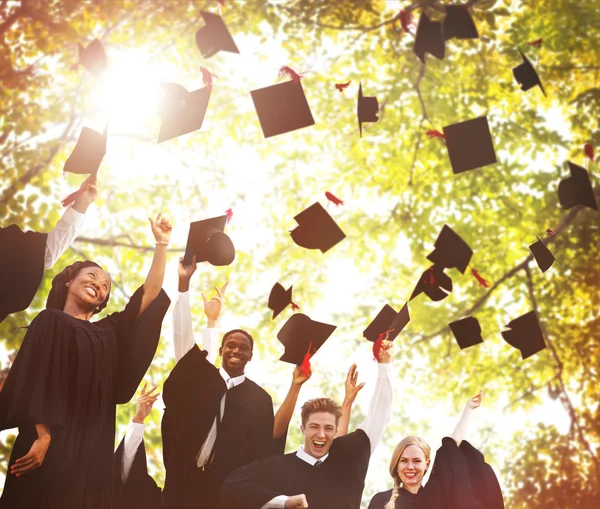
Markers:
point(144, 404)
point(35, 457)
point(385, 352)
point(213, 307)
point(299, 376)
point(296, 502)
point(475, 401)
point(352, 389)
point(185, 273)
point(89, 195)
point(161, 228)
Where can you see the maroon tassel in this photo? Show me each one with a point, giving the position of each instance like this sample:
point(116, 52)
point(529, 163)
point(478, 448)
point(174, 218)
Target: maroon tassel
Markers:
point(207, 76)
point(378, 341)
point(431, 278)
point(332, 198)
point(342, 86)
point(73, 196)
point(290, 73)
point(305, 366)
point(435, 134)
point(295, 306)
point(588, 148)
point(407, 21)
point(535, 44)
point(229, 214)
point(482, 282)
point(550, 232)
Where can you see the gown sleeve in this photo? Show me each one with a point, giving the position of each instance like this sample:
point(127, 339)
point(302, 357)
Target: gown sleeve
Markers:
point(262, 444)
point(137, 340)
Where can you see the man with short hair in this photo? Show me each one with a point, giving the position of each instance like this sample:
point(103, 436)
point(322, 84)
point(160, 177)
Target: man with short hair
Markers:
point(326, 472)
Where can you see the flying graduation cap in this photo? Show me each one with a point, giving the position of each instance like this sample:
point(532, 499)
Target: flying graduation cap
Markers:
point(388, 319)
point(542, 254)
point(429, 39)
point(88, 153)
point(451, 251)
point(458, 23)
point(526, 75)
point(93, 58)
point(470, 145)
point(435, 283)
point(214, 36)
point(525, 334)
point(316, 229)
point(279, 299)
point(367, 109)
point(181, 112)
point(467, 332)
point(209, 242)
point(576, 189)
point(301, 336)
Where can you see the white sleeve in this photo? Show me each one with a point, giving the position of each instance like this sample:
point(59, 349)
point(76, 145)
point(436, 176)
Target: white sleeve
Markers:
point(183, 337)
point(380, 409)
point(133, 439)
point(62, 235)
point(210, 343)
point(276, 503)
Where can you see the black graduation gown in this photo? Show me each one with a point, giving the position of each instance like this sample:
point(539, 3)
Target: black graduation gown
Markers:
point(460, 479)
point(21, 268)
point(70, 374)
point(336, 484)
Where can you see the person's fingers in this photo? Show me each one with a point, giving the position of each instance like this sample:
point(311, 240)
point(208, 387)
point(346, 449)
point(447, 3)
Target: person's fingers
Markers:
point(219, 293)
point(144, 388)
point(24, 459)
point(194, 262)
point(152, 390)
point(223, 288)
point(204, 298)
point(360, 386)
point(158, 217)
point(218, 299)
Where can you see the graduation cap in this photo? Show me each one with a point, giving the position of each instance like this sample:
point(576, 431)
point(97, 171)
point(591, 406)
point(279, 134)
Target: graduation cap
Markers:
point(366, 109)
point(576, 189)
point(459, 23)
point(214, 36)
point(467, 332)
point(526, 75)
point(300, 334)
point(282, 108)
point(429, 39)
point(181, 112)
point(93, 58)
point(525, 334)
point(542, 255)
point(88, 152)
point(435, 283)
point(470, 145)
point(316, 229)
point(388, 319)
point(208, 241)
point(280, 298)
point(451, 251)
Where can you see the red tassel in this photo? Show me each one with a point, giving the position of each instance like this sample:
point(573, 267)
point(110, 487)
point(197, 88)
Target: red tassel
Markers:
point(431, 277)
point(229, 214)
point(535, 44)
point(342, 86)
point(482, 282)
point(332, 198)
point(73, 196)
point(378, 341)
point(295, 306)
point(207, 76)
point(305, 366)
point(550, 232)
point(290, 73)
point(588, 148)
point(435, 134)
point(407, 21)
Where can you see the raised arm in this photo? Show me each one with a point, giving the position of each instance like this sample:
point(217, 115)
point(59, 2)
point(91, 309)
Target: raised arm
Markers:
point(460, 432)
point(286, 410)
point(183, 334)
point(352, 390)
point(161, 228)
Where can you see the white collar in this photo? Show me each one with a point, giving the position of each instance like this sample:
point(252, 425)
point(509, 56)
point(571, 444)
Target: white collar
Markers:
point(233, 382)
point(304, 456)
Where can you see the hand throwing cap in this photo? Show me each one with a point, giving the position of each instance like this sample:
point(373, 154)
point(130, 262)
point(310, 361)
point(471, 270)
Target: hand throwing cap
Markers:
point(434, 283)
point(429, 39)
point(181, 112)
point(576, 189)
point(279, 298)
point(214, 36)
point(299, 333)
point(542, 255)
point(316, 229)
point(208, 241)
point(467, 332)
point(459, 23)
point(470, 145)
point(93, 58)
point(388, 319)
point(282, 108)
point(525, 334)
point(451, 251)
point(88, 152)
point(526, 75)
point(367, 109)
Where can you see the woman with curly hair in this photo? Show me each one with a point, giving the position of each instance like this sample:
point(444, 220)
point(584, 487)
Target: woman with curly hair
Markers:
point(460, 479)
point(68, 377)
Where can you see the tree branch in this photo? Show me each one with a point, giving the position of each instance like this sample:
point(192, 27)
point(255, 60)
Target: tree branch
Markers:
point(111, 242)
point(10, 20)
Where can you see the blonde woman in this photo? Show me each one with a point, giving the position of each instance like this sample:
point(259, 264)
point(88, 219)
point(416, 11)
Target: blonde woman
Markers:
point(460, 478)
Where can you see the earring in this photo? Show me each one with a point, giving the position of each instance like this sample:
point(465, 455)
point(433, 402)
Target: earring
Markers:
point(97, 309)
point(67, 284)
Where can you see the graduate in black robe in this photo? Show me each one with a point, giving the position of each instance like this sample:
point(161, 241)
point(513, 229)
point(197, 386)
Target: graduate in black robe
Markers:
point(461, 479)
point(67, 379)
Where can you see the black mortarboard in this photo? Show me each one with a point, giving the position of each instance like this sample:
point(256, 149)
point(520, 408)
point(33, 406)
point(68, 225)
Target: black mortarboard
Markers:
point(299, 334)
point(526, 75)
point(467, 332)
point(93, 58)
point(459, 23)
point(282, 108)
point(433, 282)
point(388, 319)
point(470, 145)
point(525, 334)
point(208, 241)
point(316, 229)
point(88, 152)
point(451, 251)
point(279, 299)
point(429, 39)
point(214, 36)
point(542, 255)
point(576, 189)
point(181, 112)
point(367, 109)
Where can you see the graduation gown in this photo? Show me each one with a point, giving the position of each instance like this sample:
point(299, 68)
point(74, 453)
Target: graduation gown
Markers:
point(69, 374)
point(21, 268)
point(460, 479)
point(336, 484)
